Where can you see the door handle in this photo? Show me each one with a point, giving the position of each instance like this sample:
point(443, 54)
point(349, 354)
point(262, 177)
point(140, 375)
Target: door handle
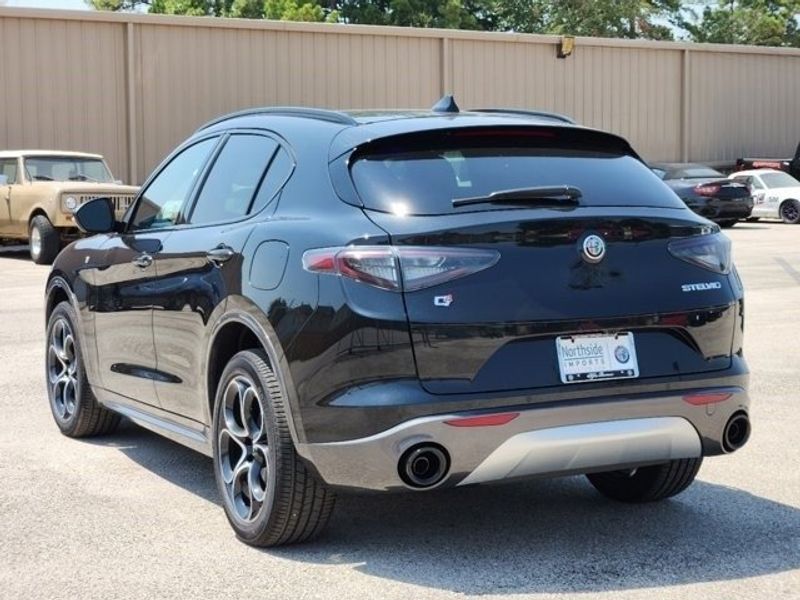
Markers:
point(143, 261)
point(220, 254)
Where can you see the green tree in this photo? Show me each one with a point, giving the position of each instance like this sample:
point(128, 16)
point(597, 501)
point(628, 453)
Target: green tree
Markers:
point(757, 22)
point(453, 14)
point(648, 19)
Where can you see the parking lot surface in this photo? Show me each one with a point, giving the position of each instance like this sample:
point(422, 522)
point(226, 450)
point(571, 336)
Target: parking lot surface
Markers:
point(136, 516)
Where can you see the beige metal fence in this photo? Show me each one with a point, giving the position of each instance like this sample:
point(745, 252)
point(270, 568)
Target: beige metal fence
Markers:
point(133, 86)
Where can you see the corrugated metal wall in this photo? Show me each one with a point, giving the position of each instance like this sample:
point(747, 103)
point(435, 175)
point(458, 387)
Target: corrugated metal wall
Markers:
point(133, 86)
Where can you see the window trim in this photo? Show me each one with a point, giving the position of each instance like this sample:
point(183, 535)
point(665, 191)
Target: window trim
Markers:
point(188, 206)
point(280, 144)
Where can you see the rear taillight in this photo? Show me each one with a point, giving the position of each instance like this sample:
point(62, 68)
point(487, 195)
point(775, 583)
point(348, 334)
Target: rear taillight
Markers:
point(712, 252)
point(706, 190)
point(399, 268)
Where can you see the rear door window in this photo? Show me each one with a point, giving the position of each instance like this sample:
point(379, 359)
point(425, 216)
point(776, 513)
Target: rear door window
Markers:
point(424, 175)
point(231, 185)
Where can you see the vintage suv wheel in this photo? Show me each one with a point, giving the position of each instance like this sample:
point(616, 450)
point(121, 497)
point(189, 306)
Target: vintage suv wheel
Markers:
point(75, 409)
point(44, 241)
point(269, 496)
point(647, 484)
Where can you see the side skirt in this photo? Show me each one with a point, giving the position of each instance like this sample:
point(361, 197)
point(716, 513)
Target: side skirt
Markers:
point(184, 431)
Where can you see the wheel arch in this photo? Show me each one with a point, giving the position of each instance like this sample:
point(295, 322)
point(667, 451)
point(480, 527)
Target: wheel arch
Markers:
point(37, 211)
point(238, 330)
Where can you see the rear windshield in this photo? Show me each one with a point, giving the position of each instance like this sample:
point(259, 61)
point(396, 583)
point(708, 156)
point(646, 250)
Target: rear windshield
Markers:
point(426, 178)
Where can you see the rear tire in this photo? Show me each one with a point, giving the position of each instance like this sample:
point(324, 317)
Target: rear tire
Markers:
point(269, 496)
point(44, 241)
point(727, 224)
point(647, 484)
point(75, 409)
point(790, 212)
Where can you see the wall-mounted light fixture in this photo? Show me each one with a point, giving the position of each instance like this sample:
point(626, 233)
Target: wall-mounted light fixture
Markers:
point(566, 46)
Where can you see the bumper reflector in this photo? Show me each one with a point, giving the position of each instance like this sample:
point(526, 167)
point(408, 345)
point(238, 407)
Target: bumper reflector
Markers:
point(483, 420)
point(706, 398)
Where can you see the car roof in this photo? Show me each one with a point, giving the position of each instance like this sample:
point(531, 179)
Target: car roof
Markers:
point(34, 153)
point(750, 172)
point(349, 129)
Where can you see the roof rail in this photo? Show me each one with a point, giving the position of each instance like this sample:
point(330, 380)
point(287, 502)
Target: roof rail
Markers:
point(528, 113)
point(320, 114)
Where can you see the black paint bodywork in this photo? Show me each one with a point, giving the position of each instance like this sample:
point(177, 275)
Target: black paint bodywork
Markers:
point(354, 359)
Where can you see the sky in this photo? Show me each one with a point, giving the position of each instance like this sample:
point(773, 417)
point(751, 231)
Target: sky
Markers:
point(65, 4)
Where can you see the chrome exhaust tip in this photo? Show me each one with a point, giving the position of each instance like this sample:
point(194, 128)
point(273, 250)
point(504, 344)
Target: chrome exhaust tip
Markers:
point(424, 465)
point(736, 432)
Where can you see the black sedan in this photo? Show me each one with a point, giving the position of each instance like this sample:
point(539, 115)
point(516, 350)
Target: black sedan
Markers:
point(707, 191)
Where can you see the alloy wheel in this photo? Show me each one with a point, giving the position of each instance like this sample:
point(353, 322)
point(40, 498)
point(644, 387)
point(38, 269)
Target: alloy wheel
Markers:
point(791, 211)
point(244, 454)
point(62, 370)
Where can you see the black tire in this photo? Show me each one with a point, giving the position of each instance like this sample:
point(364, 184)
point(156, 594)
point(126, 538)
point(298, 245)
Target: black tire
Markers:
point(75, 409)
point(727, 223)
point(647, 484)
point(753, 219)
point(295, 504)
point(790, 212)
point(49, 242)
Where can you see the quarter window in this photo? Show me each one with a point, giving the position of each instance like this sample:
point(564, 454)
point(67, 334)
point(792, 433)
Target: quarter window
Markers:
point(161, 203)
point(228, 191)
point(8, 167)
point(279, 170)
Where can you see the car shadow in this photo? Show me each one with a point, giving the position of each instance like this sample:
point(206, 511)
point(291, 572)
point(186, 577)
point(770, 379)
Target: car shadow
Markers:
point(535, 536)
point(19, 252)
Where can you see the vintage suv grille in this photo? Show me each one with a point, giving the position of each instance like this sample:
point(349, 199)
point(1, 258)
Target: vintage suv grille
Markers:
point(121, 201)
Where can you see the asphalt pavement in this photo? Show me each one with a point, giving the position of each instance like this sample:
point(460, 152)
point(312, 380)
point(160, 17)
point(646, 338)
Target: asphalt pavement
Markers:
point(133, 515)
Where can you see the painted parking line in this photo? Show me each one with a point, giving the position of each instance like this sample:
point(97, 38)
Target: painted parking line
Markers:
point(790, 270)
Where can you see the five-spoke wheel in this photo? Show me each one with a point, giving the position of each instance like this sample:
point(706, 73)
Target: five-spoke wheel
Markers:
point(269, 496)
point(62, 369)
point(75, 409)
point(244, 450)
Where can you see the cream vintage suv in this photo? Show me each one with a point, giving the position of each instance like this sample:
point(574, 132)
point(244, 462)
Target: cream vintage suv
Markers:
point(40, 190)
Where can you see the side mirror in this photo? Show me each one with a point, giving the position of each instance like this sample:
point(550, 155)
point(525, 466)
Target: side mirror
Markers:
point(96, 216)
point(3, 180)
point(119, 182)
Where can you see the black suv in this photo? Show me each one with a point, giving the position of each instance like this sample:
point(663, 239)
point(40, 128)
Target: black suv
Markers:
point(399, 301)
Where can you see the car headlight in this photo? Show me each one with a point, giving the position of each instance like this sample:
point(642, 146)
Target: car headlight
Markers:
point(70, 203)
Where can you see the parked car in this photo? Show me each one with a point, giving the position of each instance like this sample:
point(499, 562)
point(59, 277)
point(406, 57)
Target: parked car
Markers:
point(402, 301)
point(790, 165)
point(776, 194)
point(707, 191)
point(41, 189)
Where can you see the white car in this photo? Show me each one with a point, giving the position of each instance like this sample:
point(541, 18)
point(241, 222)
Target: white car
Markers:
point(776, 194)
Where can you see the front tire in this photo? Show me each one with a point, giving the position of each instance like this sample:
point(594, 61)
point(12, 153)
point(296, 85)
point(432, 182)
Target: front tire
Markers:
point(75, 409)
point(269, 496)
point(790, 212)
point(647, 484)
point(43, 240)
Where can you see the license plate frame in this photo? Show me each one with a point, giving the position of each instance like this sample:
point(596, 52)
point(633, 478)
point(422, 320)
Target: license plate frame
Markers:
point(585, 358)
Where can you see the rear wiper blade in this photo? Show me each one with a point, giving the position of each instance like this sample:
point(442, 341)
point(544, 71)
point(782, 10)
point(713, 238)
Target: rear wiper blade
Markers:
point(560, 195)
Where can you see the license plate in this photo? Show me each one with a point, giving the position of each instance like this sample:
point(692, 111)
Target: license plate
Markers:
point(596, 357)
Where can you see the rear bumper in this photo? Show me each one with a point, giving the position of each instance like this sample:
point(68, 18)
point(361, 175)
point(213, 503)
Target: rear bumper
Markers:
point(546, 440)
point(725, 209)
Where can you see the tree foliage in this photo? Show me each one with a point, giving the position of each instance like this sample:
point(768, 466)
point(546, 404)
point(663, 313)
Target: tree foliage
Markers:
point(761, 22)
point(758, 22)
